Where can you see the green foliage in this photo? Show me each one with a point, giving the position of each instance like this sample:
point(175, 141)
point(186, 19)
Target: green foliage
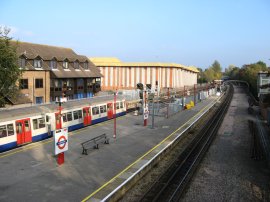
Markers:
point(9, 69)
point(248, 73)
point(212, 73)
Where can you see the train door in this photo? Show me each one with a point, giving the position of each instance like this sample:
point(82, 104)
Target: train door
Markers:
point(23, 130)
point(110, 110)
point(58, 122)
point(86, 116)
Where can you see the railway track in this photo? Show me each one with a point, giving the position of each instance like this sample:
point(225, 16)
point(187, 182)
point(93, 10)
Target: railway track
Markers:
point(170, 185)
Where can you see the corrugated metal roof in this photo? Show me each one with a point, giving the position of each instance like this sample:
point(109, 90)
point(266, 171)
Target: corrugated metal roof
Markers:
point(115, 62)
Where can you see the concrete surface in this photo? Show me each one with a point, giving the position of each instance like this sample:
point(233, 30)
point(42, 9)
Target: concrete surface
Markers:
point(31, 173)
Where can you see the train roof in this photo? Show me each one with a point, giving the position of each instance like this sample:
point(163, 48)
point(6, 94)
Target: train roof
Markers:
point(19, 113)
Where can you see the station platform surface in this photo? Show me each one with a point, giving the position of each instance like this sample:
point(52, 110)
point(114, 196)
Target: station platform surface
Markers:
point(31, 173)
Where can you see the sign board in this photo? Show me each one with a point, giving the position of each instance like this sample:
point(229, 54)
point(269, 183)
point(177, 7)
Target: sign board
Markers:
point(145, 112)
point(63, 99)
point(60, 140)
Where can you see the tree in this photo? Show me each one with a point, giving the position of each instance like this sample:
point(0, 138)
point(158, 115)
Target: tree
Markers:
point(9, 69)
point(247, 73)
point(216, 66)
point(213, 72)
point(229, 70)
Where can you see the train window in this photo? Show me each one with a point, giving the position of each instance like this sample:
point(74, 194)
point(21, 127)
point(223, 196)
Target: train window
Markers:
point(3, 131)
point(121, 105)
point(75, 115)
point(84, 113)
point(10, 129)
point(80, 114)
point(103, 109)
point(19, 128)
point(69, 116)
point(26, 125)
point(35, 125)
point(47, 118)
point(117, 105)
point(41, 123)
point(95, 110)
point(38, 123)
point(64, 117)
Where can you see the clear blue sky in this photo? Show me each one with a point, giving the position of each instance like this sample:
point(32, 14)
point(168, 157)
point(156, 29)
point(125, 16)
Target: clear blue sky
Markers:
point(191, 32)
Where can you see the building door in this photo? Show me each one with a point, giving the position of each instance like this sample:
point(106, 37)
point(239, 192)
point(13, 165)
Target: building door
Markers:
point(23, 129)
point(58, 122)
point(86, 116)
point(110, 110)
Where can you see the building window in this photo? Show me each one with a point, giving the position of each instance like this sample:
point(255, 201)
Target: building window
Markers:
point(53, 64)
point(67, 84)
point(37, 63)
point(22, 62)
point(39, 100)
point(85, 65)
point(65, 64)
point(80, 84)
point(39, 83)
point(76, 65)
point(23, 84)
point(89, 83)
point(57, 85)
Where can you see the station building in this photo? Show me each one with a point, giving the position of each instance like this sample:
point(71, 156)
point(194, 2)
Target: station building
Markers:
point(51, 72)
point(263, 89)
point(126, 75)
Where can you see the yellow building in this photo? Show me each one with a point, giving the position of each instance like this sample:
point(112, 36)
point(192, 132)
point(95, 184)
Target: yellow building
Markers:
point(126, 75)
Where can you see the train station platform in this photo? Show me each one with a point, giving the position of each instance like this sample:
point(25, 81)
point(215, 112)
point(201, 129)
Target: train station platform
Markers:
point(229, 172)
point(31, 173)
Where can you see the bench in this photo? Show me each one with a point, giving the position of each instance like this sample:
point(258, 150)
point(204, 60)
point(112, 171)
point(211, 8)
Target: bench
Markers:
point(94, 143)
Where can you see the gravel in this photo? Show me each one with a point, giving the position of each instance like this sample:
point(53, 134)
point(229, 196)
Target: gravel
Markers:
point(227, 172)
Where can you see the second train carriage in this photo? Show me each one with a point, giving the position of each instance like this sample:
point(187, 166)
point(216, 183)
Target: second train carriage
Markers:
point(31, 124)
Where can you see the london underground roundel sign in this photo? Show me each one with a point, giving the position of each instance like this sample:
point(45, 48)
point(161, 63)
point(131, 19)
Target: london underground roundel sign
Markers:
point(60, 141)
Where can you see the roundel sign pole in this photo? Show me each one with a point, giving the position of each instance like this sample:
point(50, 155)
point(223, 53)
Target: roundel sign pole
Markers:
point(145, 110)
point(60, 144)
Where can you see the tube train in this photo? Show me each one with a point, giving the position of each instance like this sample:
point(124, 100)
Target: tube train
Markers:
point(31, 124)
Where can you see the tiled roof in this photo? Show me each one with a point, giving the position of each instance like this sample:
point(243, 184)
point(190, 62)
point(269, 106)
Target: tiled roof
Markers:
point(47, 53)
point(103, 62)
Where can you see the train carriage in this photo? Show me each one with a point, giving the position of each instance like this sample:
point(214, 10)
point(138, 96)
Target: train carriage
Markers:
point(25, 125)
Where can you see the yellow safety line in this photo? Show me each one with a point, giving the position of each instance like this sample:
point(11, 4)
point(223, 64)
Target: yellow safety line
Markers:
point(36, 144)
point(111, 180)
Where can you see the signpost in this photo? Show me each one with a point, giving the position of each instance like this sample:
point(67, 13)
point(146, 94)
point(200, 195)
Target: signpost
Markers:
point(145, 110)
point(60, 144)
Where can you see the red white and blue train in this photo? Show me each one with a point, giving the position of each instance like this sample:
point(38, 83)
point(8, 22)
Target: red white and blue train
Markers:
point(30, 124)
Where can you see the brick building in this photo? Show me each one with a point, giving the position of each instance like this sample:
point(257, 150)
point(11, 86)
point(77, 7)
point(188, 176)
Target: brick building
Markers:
point(126, 75)
point(51, 72)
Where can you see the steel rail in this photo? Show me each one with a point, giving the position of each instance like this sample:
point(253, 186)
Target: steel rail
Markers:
point(182, 169)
